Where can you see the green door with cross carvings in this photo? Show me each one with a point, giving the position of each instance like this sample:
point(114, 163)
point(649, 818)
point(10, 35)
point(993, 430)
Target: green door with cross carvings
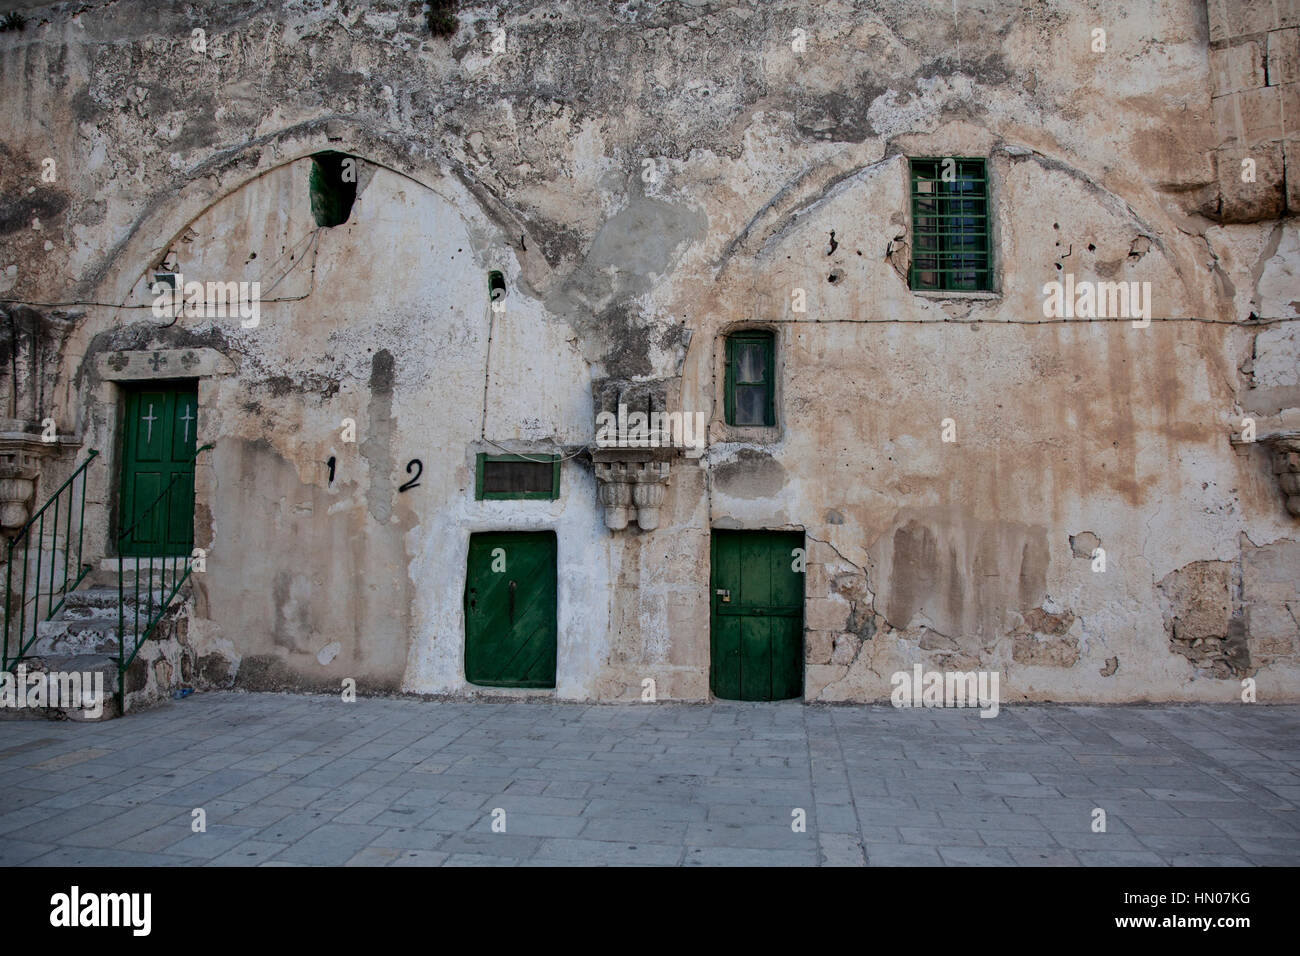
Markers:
point(510, 627)
point(157, 516)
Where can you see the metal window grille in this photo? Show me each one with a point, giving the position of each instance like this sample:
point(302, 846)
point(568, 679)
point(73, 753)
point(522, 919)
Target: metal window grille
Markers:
point(951, 247)
point(517, 476)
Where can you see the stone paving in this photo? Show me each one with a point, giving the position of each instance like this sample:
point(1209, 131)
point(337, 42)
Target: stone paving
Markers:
point(311, 780)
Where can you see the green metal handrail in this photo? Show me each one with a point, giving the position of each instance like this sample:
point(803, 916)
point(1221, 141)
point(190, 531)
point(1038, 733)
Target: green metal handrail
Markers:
point(24, 536)
point(180, 573)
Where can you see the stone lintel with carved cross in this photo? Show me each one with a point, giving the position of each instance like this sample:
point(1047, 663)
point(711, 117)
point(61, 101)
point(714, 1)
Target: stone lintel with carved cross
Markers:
point(143, 364)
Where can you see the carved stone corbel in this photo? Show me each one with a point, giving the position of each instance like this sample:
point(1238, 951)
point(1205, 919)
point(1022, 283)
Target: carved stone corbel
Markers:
point(631, 480)
point(21, 454)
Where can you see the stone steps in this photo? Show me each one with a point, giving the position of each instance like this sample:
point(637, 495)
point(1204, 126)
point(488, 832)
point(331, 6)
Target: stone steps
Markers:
point(81, 638)
point(87, 622)
point(82, 687)
point(93, 603)
point(105, 573)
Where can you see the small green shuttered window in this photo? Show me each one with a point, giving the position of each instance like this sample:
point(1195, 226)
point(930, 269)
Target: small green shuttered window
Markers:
point(517, 476)
point(951, 247)
point(750, 388)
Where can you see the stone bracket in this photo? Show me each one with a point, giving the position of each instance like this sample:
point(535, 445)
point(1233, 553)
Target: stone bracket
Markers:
point(21, 453)
point(631, 481)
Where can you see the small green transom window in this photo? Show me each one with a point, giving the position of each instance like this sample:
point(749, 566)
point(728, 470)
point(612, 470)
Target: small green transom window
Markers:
point(517, 476)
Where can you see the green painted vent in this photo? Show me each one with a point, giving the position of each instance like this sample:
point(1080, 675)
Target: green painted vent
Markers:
point(517, 476)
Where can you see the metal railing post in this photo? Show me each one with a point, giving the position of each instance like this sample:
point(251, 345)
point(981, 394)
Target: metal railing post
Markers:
point(36, 525)
point(149, 518)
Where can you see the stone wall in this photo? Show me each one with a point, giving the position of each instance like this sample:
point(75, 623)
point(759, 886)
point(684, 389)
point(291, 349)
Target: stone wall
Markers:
point(649, 177)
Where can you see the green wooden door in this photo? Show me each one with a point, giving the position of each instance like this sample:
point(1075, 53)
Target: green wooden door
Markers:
point(157, 447)
point(756, 628)
point(510, 629)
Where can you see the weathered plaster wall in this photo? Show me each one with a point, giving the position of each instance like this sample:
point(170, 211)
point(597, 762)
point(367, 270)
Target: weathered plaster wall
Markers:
point(650, 176)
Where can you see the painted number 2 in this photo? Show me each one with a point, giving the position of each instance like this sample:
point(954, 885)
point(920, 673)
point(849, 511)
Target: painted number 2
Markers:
point(419, 470)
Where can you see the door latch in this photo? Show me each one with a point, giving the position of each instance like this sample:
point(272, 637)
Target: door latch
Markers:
point(725, 594)
point(512, 603)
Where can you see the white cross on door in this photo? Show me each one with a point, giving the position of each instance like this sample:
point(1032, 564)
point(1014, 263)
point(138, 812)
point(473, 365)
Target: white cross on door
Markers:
point(149, 419)
point(187, 418)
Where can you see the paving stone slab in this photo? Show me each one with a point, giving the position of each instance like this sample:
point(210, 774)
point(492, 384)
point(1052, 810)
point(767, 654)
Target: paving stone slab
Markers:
point(298, 780)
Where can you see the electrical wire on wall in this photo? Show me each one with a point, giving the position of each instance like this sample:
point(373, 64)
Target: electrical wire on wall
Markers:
point(310, 239)
point(487, 381)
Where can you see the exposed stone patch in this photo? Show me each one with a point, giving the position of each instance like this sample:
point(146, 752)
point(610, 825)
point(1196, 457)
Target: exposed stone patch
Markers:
point(1109, 668)
point(932, 640)
point(862, 621)
point(1041, 640)
point(949, 653)
point(1083, 544)
point(818, 646)
point(1200, 620)
point(845, 649)
point(1271, 595)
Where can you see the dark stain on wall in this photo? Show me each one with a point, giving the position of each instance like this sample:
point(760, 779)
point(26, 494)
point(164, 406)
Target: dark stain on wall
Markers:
point(751, 474)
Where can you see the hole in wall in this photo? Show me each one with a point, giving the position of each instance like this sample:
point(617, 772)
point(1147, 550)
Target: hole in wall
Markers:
point(333, 187)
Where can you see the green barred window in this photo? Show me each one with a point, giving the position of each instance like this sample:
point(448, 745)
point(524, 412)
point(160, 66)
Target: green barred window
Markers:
point(951, 247)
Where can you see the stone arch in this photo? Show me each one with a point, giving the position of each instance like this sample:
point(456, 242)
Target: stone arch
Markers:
point(224, 174)
point(812, 187)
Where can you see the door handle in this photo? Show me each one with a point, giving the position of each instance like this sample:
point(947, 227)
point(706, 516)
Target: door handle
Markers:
point(473, 599)
point(725, 594)
point(512, 602)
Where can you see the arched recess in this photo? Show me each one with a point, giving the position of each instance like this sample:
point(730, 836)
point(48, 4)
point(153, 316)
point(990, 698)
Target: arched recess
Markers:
point(786, 210)
point(169, 214)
